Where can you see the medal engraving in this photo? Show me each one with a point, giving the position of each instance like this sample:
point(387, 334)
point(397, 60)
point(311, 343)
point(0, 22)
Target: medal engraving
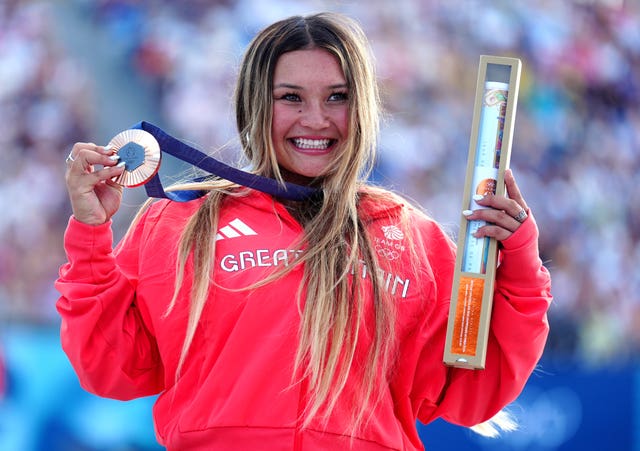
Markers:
point(133, 156)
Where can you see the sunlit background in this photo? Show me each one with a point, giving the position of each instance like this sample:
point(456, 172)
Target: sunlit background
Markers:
point(84, 70)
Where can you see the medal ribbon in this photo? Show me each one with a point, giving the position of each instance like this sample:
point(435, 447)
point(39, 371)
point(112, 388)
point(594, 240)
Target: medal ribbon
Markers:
point(186, 153)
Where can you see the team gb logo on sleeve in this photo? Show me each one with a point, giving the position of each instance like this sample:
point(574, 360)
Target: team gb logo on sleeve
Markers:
point(391, 246)
point(392, 233)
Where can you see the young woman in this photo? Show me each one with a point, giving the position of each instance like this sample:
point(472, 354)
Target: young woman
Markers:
point(272, 324)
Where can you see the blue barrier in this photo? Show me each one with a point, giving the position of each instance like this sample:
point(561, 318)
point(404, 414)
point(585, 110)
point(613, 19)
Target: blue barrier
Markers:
point(562, 408)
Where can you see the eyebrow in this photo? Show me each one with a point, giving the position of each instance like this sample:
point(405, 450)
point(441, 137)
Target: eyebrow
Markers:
point(292, 86)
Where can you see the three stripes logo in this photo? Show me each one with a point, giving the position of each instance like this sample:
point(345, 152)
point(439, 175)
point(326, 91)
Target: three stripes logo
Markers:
point(235, 229)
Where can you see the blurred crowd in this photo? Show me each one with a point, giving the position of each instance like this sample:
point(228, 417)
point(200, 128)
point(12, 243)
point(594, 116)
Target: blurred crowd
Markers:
point(45, 101)
point(575, 151)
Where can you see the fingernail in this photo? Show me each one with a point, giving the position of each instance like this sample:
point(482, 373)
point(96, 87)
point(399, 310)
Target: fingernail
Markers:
point(108, 147)
point(467, 212)
point(114, 157)
point(478, 197)
point(121, 164)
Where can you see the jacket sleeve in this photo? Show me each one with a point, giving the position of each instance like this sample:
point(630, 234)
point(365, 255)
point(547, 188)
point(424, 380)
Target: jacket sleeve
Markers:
point(102, 330)
point(518, 334)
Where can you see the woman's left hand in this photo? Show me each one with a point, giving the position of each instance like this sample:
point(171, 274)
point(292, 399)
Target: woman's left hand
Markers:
point(504, 213)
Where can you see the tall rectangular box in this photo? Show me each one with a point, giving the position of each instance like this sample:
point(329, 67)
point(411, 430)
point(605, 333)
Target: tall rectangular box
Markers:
point(489, 154)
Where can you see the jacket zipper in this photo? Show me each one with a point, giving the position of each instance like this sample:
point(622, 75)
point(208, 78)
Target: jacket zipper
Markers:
point(302, 395)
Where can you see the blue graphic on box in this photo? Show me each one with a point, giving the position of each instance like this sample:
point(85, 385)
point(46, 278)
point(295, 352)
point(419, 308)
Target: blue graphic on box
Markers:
point(485, 173)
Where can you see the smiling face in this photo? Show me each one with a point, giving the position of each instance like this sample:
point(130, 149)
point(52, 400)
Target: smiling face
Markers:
point(310, 113)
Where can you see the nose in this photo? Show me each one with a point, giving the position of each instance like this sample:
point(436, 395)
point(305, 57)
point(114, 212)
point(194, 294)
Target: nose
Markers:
point(314, 115)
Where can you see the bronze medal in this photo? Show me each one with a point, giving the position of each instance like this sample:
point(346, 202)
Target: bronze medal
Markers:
point(141, 155)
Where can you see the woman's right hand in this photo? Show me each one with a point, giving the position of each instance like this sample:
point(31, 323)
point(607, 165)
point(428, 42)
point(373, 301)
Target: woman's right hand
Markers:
point(94, 196)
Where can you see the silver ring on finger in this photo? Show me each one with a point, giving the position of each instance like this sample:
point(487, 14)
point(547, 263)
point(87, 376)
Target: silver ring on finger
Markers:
point(521, 216)
point(70, 158)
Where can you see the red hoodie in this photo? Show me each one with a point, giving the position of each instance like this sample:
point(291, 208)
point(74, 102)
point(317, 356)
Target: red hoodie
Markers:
point(236, 388)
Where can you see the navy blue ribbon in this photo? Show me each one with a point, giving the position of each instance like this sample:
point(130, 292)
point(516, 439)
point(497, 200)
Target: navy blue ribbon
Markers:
point(184, 152)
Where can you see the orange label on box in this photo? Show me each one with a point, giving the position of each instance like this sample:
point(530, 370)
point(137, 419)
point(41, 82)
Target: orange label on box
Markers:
point(467, 321)
point(486, 187)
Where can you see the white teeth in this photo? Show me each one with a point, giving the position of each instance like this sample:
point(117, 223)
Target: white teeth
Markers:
point(311, 143)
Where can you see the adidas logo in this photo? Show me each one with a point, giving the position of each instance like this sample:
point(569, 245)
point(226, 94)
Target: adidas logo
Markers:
point(234, 229)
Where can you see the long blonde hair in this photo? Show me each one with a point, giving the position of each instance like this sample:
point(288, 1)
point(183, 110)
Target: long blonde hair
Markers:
point(335, 241)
